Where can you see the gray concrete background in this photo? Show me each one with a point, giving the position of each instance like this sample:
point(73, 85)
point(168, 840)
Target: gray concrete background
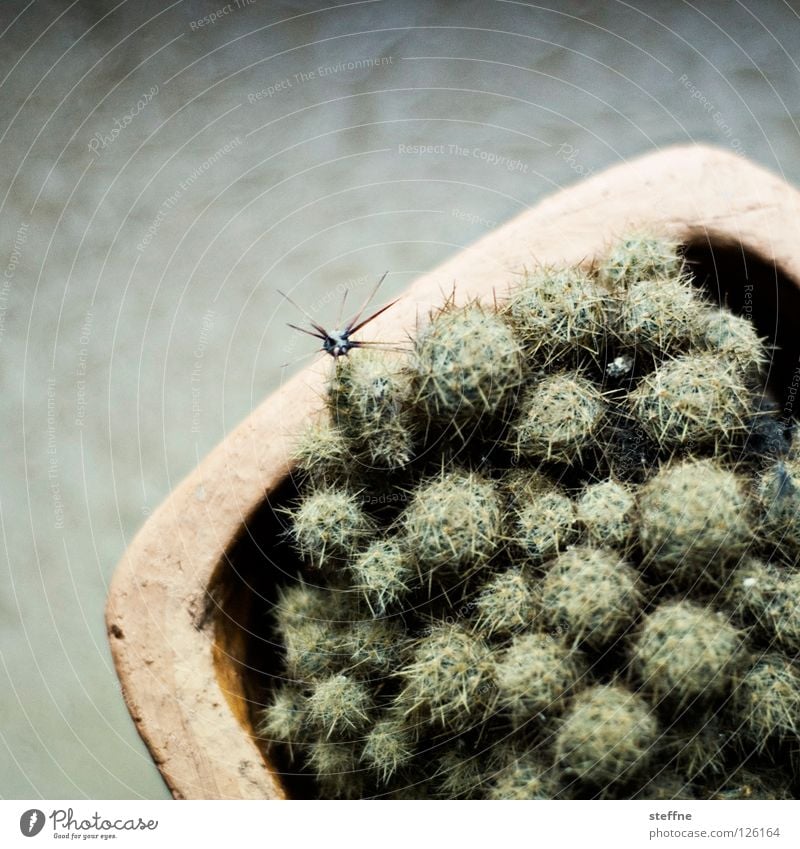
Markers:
point(163, 173)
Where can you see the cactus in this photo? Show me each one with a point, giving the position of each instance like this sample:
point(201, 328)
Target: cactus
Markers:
point(765, 599)
point(605, 512)
point(313, 650)
point(373, 646)
point(607, 736)
point(751, 784)
point(594, 592)
point(506, 603)
point(466, 365)
point(368, 399)
point(664, 785)
point(339, 706)
point(779, 499)
point(658, 316)
point(685, 653)
point(693, 401)
point(694, 518)
point(336, 767)
point(551, 553)
point(697, 749)
point(284, 719)
point(330, 525)
point(384, 574)
point(453, 522)
point(556, 313)
point(459, 773)
point(559, 418)
point(300, 603)
point(322, 455)
point(387, 748)
point(535, 676)
point(523, 777)
point(542, 525)
point(766, 705)
point(732, 337)
point(640, 256)
point(449, 681)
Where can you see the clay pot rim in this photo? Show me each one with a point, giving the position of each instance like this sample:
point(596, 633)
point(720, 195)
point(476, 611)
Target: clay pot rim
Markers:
point(184, 697)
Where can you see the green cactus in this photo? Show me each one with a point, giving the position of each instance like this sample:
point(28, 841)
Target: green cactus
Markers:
point(336, 767)
point(536, 675)
point(560, 417)
point(369, 402)
point(459, 772)
point(523, 777)
point(542, 525)
point(557, 314)
point(506, 603)
point(339, 706)
point(694, 519)
point(594, 592)
point(330, 525)
point(733, 338)
point(547, 554)
point(607, 736)
point(766, 704)
point(685, 653)
point(693, 401)
point(322, 455)
point(385, 574)
point(284, 719)
point(658, 316)
point(605, 512)
point(465, 366)
point(640, 256)
point(453, 523)
point(779, 500)
point(388, 747)
point(449, 681)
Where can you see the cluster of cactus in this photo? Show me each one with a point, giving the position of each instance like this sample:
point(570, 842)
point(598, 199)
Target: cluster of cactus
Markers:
point(550, 552)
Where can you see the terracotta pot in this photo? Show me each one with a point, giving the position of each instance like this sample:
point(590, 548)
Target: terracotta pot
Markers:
point(179, 612)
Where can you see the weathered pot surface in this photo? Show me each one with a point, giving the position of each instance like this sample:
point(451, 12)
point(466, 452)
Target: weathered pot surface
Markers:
point(178, 633)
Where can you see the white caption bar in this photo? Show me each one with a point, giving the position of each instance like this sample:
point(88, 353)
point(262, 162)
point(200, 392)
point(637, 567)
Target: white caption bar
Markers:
point(353, 825)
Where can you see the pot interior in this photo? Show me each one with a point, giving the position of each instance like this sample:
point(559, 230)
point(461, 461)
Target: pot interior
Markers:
point(246, 656)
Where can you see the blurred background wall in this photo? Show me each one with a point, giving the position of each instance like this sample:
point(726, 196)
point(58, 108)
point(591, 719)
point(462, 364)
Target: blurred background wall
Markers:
point(167, 166)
